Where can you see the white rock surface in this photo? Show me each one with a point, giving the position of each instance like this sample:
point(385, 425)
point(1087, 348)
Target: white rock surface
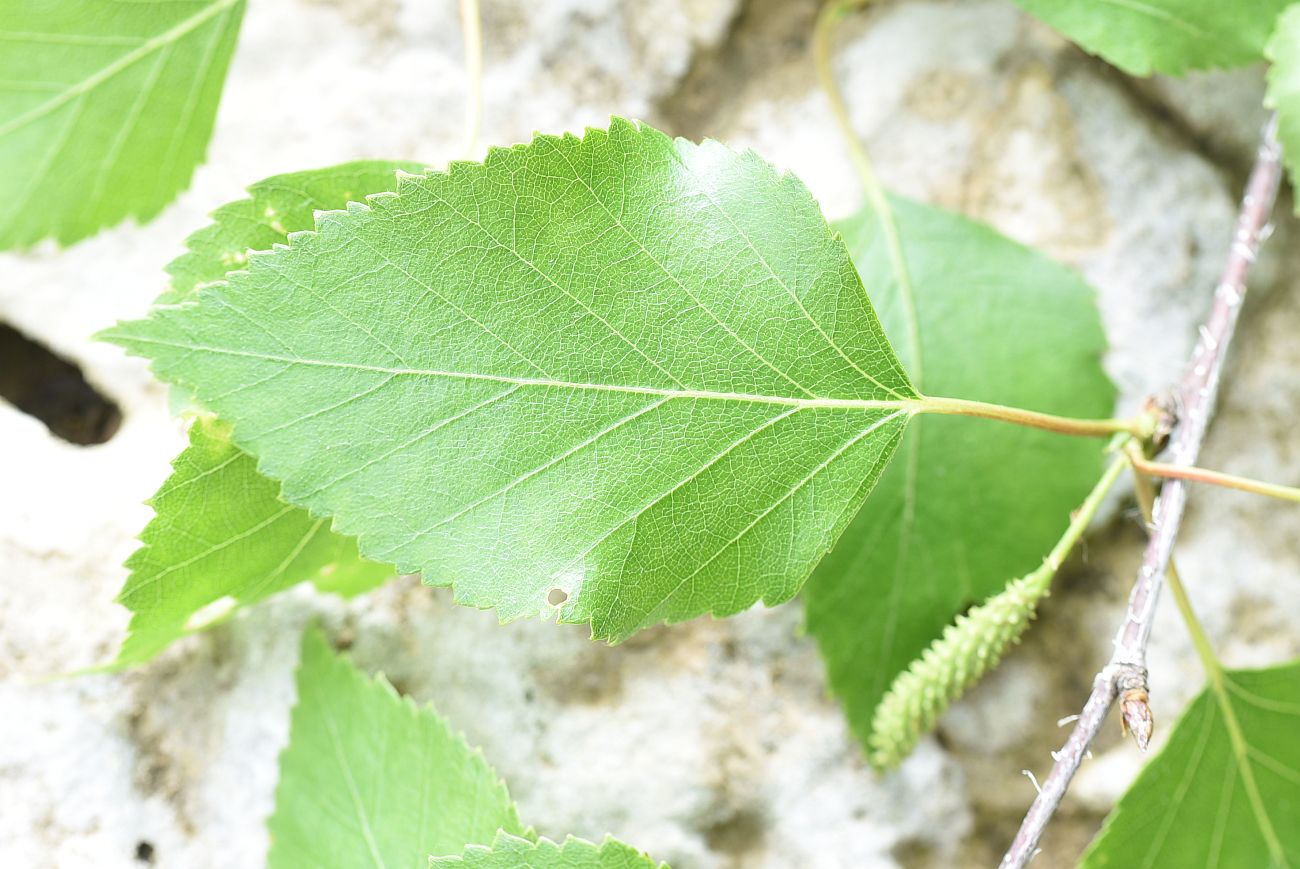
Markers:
point(710, 744)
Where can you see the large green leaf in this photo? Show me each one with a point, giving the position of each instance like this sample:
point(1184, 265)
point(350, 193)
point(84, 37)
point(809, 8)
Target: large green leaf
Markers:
point(512, 852)
point(635, 378)
point(222, 538)
point(1166, 36)
point(105, 109)
point(370, 779)
point(1225, 789)
point(222, 535)
point(967, 505)
point(1284, 89)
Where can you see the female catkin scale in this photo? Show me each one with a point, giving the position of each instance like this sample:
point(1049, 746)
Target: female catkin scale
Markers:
point(966, 651)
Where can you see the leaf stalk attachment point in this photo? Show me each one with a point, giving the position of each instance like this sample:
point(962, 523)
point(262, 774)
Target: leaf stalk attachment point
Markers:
point(831, 14)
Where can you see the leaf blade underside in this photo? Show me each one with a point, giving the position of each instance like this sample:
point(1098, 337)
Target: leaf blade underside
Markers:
point(640, 371)
point(1164, 36)
point(967, 505)
point(105, 109)
point(370, 779)
point(1193, 806)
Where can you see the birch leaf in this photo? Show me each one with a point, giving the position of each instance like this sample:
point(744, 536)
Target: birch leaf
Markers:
point(105, 109)
point(967, 505)
point(1165, 36)
point(623, 377)
point(1225, 789)
point(370, 779)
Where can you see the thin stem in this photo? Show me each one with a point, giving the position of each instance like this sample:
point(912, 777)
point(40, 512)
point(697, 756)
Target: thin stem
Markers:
point(831, 14)
point(1215, 478)
point(1146, 497)
point(1195, 399)
point(1140, 427)
point(1199, 388)
point(1081, 518)
point(471, 29)
point(1214, 674)
point(968, 649)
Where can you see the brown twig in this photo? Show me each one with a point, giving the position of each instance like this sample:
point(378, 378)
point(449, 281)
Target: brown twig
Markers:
point(1193, 403)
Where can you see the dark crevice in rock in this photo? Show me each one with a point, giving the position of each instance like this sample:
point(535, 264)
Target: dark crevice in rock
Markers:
point(42, 384)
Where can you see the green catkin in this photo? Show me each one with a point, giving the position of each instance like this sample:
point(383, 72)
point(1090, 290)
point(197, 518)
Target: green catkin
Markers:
point(952, 663)
point(975, 642)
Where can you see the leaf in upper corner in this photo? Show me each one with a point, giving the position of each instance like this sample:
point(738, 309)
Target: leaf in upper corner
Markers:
point(370, 779)
point(221, 538)
point(638, 371)
point(967, 504)
point(105, 109)
point(1164, 36)
point(1284, 89)
point(1208, 799)
point(512, 852)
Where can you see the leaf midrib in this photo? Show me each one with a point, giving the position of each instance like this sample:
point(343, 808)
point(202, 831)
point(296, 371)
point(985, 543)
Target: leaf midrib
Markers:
point(358, 804)
point(912, 404)
point(1220, 683)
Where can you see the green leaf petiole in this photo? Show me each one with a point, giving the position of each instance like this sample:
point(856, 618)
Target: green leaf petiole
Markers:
point(1214, 478)
point(1140, 427)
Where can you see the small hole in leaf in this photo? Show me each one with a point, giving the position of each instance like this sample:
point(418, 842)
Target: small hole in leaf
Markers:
point(144, 852)
point(556, 596)
point(40, 383)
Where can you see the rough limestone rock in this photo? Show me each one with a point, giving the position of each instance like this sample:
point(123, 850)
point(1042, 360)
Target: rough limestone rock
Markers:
point(711, 744)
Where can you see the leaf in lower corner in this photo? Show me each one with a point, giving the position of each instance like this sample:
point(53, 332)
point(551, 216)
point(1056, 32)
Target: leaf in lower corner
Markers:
point(1284, 89)
point(370, 779)
point(222, 538)
point(638, 373)
point(105, 109)
point(1165, 36)
point(512, 852)
point(1225, 789)
point(967, 504)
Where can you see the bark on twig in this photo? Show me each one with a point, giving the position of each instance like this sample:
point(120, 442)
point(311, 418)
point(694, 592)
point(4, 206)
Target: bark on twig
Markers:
point(1194, 403)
